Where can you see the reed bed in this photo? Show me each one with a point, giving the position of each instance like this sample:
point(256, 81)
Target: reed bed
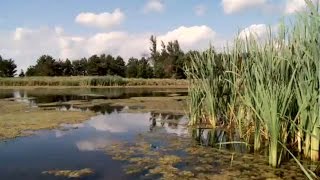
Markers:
point(88, 81)
point(266, 90)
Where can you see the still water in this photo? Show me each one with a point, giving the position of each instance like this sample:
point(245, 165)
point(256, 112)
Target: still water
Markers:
point(80, 146)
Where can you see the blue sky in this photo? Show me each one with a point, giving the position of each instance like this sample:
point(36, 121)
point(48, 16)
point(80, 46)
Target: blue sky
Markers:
point(77, 28)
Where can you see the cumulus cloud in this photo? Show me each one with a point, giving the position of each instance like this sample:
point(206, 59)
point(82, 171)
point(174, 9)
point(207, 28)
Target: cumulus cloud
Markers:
point(260, 32)
point(200, 10)
point(26, 45)
point(256, 30)
point(233, 6)
point(293, 6)
point(193, 37)
point(102, 20)
point(154, 6)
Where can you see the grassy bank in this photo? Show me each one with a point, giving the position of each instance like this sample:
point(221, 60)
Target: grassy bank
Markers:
point(16, 118)
point(266, 91)
point(91, 81)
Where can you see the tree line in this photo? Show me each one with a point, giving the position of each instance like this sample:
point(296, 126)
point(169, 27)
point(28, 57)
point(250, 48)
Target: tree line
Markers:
point(169, 62)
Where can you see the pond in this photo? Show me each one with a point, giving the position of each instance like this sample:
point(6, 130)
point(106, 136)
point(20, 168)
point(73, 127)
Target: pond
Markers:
point(78, 146)
point(120, 144)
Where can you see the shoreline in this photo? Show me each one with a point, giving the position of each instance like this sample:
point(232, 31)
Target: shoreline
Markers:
point(98, 87)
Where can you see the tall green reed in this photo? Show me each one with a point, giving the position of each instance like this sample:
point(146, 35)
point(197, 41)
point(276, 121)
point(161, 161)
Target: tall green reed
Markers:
point(270, 85)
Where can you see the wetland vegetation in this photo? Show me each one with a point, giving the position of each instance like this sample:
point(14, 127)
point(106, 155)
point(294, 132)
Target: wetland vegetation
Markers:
point(250, 112)
point(266, 91)
point(92, 81)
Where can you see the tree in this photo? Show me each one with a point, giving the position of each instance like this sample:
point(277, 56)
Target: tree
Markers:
point(93, 66)
point(7, 68)
point(80, 67)
point(31, 71)
point(119, 67)
point(45, 66)
point(144, 69)
point(67, 68)
point(153, 50)
point(132, 68)
point(21, 73)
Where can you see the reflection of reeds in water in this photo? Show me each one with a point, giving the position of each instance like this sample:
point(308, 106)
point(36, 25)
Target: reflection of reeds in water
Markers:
point(265, 90)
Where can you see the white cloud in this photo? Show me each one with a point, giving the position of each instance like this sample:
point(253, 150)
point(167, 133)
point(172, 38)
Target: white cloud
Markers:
point(200, 10)
point(260, 32)
point(154, 6)
point(92, 145)
point(256, 30)
point(26, 45)
point(293, 6)
point(233, 6)
point(190, 37)
point(103, 20)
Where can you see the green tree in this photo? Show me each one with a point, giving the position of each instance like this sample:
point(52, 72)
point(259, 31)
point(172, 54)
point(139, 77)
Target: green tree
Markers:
point(144, 69)
point(80, 67)
point(119, 67)
point(45, 66)
point(67, 68)
point(31, 71)
point(7, 68)
point(132, 68)
point(93, 66)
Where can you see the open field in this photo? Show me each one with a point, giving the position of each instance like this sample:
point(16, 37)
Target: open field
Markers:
point(92, 81)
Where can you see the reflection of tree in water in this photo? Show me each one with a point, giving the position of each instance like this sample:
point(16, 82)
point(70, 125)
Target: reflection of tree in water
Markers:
point(106, 108)
point(169, 119)
point(153, 121)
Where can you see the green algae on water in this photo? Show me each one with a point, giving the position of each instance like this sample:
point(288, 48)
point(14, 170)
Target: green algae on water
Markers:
point(70, 173)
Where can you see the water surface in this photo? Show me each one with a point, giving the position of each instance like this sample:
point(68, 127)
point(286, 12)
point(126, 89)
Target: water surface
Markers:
point(80, 146)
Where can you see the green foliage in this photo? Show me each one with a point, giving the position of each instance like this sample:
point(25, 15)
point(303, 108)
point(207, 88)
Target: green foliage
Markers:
point(139, 68)
point(7, 68)
point(270, 88)
point(165, 64)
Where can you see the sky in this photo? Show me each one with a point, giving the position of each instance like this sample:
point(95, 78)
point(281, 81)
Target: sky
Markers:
point(80, 28)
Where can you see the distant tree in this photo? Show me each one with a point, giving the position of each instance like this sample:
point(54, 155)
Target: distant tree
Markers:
point(31, 71)
point(144, 69)
point(7, 68)
point(58, 67)
point(46, 66)
point(80, 67)
point(119, 67)
point(67, 68)
point(93, 66)
point(132, 68)
point(21, 73)
point(153, 50)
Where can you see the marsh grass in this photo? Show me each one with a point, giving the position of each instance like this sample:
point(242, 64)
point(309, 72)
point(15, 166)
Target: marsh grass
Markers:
point(89, 81)
point(270, 85)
